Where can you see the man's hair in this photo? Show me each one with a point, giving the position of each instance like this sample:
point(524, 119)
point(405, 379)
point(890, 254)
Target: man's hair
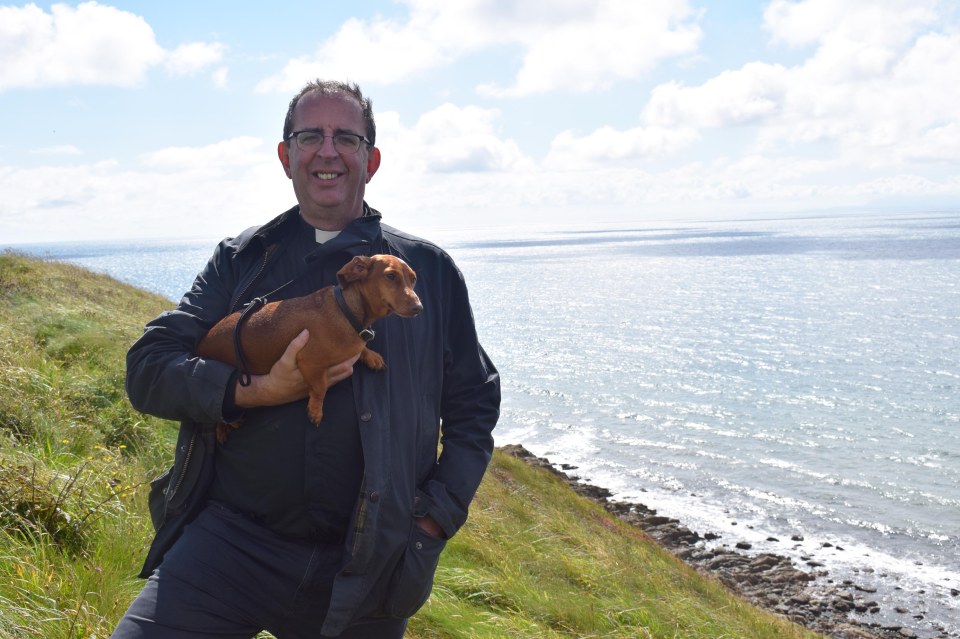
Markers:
point(332, 87)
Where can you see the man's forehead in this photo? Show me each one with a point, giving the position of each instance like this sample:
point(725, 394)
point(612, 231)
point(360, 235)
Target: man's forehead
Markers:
point(339, 105)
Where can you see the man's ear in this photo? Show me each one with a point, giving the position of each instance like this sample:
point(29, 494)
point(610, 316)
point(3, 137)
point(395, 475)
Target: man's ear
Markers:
point(283, 152)
point(373, 162)
point(356, 269)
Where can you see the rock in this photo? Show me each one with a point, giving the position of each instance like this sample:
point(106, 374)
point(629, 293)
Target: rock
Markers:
point(767, 580)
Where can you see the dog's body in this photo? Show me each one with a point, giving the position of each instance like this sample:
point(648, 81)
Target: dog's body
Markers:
point(372, 287)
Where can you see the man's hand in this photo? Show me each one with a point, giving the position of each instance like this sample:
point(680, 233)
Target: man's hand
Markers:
point(284, 383)
point(430, 526)
point(341, 371)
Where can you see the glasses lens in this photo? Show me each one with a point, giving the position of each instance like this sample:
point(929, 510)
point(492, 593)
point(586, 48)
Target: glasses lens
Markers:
point(342, 142)
point(308, 139)
point(346, 142)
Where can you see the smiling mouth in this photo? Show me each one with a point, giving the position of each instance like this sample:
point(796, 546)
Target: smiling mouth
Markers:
point(325, 176)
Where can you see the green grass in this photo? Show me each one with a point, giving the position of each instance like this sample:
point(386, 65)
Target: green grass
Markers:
point(535, 559)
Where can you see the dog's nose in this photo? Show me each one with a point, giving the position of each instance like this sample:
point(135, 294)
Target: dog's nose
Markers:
point(416, 306)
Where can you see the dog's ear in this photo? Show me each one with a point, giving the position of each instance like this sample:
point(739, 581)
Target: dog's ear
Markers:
point(356, 269)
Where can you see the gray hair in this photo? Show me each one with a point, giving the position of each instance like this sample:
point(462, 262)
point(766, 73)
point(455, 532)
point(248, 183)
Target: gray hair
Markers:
point(332, 87)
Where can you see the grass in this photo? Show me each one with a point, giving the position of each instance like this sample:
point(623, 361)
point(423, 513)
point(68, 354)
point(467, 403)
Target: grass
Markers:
point(535, 559)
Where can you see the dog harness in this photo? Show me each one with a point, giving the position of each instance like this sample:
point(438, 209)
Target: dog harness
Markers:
point(251, 307)
point(366, 334)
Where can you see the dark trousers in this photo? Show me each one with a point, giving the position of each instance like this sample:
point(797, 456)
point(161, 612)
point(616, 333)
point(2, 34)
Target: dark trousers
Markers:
point(229, 578)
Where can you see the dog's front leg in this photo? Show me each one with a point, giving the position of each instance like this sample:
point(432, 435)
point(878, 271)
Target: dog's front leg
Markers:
point(372, 359)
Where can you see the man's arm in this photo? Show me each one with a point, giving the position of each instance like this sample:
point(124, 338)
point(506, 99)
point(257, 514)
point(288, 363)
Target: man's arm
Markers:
point(469, 409)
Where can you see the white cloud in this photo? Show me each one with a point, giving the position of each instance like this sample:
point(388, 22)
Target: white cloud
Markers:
point(569, 152)
point(89, 44)
point(872, 91)
point(380, 51)
point(240, 151)
point(616, 40)
point(451, 139)
point(204, 192)
point(575, 45)
point(732, 98)
point(188, 59)
point(64, 149)
point(886, 23)
point(220, 77)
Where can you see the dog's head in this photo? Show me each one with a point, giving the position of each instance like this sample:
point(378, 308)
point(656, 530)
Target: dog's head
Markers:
point(385, 282)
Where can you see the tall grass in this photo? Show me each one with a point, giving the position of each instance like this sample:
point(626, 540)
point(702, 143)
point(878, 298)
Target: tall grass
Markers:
point(535, 560)
point(74, 455)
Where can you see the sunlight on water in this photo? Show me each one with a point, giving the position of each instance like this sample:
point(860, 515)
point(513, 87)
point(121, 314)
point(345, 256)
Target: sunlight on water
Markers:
point(794, 377)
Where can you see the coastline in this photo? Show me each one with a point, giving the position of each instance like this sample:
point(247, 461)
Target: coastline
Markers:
point(767, 580)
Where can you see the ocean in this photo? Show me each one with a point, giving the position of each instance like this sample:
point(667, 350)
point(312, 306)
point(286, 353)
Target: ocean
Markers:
point(789, 383)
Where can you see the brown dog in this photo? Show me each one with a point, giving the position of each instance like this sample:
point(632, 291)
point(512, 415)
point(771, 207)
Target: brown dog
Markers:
point(369, 288)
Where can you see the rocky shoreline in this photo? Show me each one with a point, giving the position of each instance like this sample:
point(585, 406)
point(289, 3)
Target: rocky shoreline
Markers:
point(769, 581)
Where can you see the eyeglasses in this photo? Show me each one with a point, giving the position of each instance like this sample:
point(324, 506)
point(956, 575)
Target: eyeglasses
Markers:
point(311, 139)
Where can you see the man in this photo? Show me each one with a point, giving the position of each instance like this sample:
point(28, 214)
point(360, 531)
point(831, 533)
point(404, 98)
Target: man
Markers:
point(302, 530)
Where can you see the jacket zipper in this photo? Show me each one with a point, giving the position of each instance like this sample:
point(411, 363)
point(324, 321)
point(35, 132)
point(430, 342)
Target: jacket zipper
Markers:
point(193, 438)
point(252, 281)
point(186, 465)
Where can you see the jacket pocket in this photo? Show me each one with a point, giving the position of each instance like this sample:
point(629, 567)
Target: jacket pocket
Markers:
point(157, 499)
point(412, 580)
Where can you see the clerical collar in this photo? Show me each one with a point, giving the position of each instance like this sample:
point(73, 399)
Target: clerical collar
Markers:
point(324, 236)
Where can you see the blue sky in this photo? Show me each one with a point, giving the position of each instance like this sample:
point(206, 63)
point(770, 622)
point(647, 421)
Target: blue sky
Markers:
point(160, 119)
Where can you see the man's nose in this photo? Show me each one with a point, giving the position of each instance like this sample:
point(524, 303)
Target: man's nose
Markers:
point(327, 147)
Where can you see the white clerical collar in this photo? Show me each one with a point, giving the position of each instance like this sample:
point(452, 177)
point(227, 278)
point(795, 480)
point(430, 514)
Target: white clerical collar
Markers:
point(325, 236)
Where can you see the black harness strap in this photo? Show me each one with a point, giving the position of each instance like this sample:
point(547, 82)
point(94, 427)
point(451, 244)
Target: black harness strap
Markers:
point(251, 307)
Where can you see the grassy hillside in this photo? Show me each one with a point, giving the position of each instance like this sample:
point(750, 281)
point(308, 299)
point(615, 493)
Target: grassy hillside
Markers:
point(535, 559)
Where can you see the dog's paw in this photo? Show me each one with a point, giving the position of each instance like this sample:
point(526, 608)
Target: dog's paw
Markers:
point(223, 431)
point(315, 410)
point(372, 360)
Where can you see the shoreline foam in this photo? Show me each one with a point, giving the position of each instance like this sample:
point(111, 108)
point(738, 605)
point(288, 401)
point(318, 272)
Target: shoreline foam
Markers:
point(772, 581)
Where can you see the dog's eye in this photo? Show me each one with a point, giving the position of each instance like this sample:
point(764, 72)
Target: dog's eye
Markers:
point(391, 276)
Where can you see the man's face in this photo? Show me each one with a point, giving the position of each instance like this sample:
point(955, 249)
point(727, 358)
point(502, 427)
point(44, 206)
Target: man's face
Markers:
point(329, 184)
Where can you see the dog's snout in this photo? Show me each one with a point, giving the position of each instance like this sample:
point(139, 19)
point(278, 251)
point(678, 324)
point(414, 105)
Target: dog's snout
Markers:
point(415, 306)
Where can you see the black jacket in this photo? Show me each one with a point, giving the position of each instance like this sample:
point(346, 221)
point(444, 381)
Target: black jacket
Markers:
point(439, 387)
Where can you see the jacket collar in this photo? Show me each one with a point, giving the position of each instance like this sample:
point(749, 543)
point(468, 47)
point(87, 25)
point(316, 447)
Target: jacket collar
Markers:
point(366, 229)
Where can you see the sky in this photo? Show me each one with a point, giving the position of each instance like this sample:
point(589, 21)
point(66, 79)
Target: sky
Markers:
point(131, 120)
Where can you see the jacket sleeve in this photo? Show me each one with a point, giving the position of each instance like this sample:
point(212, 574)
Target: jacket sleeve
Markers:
point(469, 409)
point(164, 378)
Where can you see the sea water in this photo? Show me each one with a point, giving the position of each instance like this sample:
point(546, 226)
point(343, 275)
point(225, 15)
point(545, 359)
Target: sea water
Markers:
point(792, 383)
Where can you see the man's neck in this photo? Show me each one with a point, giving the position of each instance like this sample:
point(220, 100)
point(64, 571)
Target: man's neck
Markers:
point(328, 220)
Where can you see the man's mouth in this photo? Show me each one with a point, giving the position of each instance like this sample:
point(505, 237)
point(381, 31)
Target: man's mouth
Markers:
point(325, 176)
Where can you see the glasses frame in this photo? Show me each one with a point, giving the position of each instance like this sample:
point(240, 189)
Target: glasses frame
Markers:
point(333, 136)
